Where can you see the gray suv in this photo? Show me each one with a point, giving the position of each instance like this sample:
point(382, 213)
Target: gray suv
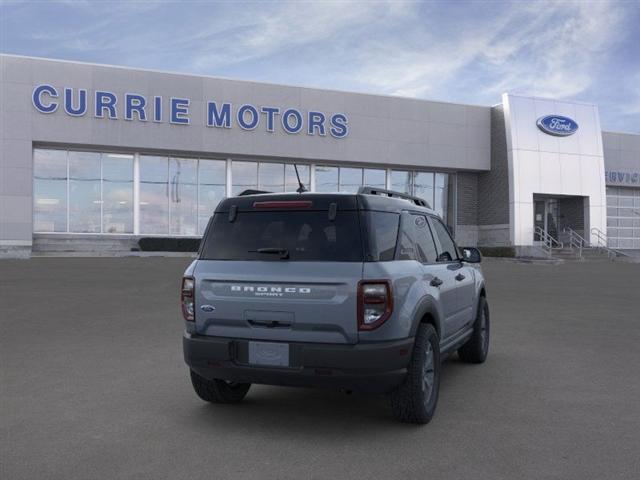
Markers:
point(357, 292)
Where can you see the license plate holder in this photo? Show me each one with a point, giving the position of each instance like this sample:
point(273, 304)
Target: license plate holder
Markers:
point(269, 354)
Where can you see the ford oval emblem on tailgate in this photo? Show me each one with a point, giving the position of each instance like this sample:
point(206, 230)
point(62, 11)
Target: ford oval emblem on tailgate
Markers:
point(207, 308)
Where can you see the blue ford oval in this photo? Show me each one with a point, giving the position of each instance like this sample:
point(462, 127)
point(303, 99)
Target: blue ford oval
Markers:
point(557, 125)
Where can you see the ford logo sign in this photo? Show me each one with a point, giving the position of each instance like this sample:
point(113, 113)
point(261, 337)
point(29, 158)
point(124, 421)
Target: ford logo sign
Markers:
point(557, 125)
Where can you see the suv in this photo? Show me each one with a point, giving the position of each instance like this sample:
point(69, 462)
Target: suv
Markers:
point(364, 292)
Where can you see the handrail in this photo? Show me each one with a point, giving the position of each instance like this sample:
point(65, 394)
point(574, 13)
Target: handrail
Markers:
point(576, 240)
point(548, 242)
point(603, 244)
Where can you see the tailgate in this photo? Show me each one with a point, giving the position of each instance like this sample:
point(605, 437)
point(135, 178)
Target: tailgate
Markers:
point(280, 301)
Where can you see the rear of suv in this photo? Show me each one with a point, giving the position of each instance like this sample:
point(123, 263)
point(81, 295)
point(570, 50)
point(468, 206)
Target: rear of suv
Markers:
point(363, 292)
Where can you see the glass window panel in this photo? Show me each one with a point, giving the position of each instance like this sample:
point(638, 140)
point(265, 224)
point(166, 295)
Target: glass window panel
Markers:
point(50, 190)
point(85, 204)
point(326, 179)
point(423, 186)
point(183, 196)
point(244, 176)
point(212, 175)
point(440, 194)
point(291, 181)
point(271, 177)
point(401, 181)
point(374, 178)
point(350, 179)
point(117, 193)
point(154, 195)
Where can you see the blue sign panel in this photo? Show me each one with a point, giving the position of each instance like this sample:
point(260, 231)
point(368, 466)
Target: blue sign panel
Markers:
point(557, 125)
point(136, 107)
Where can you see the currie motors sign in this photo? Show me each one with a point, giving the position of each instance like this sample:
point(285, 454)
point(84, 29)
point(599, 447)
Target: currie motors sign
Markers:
point(557, 125)
point(131, 106)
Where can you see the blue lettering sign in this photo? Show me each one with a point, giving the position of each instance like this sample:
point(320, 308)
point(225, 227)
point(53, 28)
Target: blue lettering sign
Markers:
point(253, 114)
point(221, 118)
point(286, 124)
point(157, 109)
point(106, 100)
point(179, 111)
point(220, 115)
point(557, 125)
point(68, 102)
point(316, 122)
point(36, 98)
point(135, 103)
point(339, 125)
point(271, 116)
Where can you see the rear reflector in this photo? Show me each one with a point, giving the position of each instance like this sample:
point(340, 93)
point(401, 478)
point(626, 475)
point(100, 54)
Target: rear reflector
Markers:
point(283, 204)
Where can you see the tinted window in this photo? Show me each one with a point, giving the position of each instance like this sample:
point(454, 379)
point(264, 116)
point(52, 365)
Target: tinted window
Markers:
point(424, 240)
point(447, 247)
point(305, 235)
point(408, 249)
point(382, 234)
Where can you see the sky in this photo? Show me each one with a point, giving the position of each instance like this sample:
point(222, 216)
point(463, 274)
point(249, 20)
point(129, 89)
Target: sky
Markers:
point(456, 51)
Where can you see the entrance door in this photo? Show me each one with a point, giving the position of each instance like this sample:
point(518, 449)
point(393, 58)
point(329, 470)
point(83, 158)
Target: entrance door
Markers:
point(545, 216)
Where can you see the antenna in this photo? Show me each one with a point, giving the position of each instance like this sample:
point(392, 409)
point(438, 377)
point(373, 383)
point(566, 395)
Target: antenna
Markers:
point(301, 188)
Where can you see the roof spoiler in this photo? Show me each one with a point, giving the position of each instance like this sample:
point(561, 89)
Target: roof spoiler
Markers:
point(393, 194)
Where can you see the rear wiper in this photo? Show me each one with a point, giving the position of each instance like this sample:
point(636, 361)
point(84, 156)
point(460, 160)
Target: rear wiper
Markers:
point(283, 252)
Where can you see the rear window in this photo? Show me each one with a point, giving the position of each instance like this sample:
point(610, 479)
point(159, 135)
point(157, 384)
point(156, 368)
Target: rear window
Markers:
point(284, 236)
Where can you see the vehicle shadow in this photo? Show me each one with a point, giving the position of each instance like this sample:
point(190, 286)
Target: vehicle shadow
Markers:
point(301, 411)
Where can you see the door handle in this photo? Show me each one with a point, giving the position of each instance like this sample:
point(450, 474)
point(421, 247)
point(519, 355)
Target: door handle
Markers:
point(460, 277)
point(436, 282)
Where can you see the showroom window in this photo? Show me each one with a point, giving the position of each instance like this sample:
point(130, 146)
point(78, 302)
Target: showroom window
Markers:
point(326, 179)
point(154, 195)
point(50, 191)
point(212, 187)
point(245, 176)
point(401, 181)
point(85, 199)
point(183, 196)
point(118, 193)
point(291, 180)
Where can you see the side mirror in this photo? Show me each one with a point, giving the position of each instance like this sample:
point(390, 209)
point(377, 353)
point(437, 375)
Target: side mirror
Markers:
point(471, 255)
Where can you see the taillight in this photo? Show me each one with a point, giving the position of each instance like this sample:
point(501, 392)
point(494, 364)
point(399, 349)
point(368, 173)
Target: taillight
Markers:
point(375, 303)
point(186, 298)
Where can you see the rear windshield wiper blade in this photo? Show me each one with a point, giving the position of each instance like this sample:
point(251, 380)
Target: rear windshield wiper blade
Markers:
point(283, 252)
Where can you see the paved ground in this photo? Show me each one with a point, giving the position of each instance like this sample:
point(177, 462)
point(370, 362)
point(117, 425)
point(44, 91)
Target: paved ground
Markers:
point(93, 386)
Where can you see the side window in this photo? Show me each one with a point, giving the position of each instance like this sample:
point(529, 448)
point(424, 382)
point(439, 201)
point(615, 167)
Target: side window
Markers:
point(407, 243)
point(447, 251)
point(424, 240)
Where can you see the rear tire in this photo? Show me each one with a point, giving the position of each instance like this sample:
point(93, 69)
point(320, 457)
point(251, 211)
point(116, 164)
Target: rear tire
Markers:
point(477, 347)
point(415, 400)
point(218, 391)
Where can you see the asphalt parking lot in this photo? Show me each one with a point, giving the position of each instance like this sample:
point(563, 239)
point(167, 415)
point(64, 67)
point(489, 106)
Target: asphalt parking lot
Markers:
point(93, 385)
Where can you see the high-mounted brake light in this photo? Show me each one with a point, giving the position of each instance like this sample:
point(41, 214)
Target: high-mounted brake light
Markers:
point(187, 298)
point(375, 303)
point(284, 204)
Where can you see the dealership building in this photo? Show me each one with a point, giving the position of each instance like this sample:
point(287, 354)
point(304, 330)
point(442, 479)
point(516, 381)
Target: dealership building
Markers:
point(95, 157)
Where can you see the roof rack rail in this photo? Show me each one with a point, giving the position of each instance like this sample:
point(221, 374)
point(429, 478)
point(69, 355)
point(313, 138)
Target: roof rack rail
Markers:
point(251, 191)
point(393, 194)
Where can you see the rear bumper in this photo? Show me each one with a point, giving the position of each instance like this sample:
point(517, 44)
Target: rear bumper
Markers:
point(367, 367)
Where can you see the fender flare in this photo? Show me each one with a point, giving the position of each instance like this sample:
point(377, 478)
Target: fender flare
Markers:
point(427, 306)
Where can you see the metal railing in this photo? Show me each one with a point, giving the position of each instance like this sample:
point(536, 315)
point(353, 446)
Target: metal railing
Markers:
point(603, 245)
point(549, 243)
point(576, 241)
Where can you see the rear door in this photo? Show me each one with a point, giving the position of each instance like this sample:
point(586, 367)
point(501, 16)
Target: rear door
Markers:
point(285, 274)
point(438, 277)
point(463, 275)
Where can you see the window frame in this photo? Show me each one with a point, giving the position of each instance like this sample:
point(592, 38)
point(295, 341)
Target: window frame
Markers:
point(432, 219)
